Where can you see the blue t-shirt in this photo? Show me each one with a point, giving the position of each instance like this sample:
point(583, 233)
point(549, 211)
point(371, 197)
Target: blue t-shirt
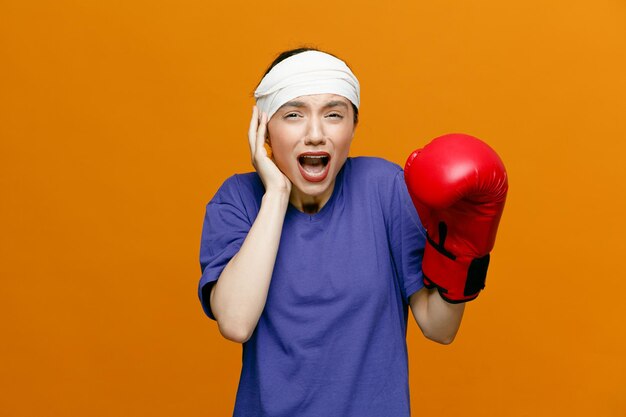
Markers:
point(331, 340)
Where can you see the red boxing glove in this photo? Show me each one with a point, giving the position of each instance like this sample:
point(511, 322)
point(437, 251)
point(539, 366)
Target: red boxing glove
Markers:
point(458, 185)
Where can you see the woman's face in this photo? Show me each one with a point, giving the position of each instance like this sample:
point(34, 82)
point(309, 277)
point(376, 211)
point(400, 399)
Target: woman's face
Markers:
point(310, 139)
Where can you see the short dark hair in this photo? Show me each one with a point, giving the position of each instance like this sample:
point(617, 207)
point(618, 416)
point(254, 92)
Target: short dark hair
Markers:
point(291, 52)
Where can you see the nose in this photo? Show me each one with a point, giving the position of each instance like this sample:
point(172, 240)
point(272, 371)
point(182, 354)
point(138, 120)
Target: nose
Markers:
point(315, 133)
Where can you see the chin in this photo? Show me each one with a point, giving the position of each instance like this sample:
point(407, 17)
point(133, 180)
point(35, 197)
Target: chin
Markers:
point(313, 189)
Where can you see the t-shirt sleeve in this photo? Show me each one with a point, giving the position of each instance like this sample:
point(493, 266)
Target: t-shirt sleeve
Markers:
point(225, 227)
point(407, 238)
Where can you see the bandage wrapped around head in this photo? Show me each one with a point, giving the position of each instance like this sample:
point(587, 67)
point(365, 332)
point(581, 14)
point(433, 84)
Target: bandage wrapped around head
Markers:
point(306, 73)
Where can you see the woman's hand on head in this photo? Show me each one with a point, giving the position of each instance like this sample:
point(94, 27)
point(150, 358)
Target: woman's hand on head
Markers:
point(273, 179)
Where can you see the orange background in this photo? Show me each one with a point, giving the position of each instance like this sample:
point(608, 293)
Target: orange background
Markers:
point(119, 120)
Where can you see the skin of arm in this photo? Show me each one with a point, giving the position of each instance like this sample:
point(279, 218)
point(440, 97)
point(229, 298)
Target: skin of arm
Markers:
point(239, 295)
point(438, 320)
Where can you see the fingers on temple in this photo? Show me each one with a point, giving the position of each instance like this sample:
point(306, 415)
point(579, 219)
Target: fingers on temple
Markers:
point(260, 140)
point(252, 132)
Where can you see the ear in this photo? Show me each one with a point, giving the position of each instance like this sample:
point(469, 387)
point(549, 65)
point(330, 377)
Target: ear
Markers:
point(268, 148)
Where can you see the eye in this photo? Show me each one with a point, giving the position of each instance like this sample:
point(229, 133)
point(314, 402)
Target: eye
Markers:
point(335, 115)
point(290, 115)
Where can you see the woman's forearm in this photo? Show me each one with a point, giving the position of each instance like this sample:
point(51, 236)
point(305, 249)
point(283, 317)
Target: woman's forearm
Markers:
point(238, 297)
point(438, 319)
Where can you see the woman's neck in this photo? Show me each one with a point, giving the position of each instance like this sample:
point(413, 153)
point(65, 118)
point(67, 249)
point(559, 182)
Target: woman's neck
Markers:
point(310, 204)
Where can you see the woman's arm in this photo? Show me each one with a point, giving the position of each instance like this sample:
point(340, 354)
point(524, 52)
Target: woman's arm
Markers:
point(238, 297)
point(438, 319)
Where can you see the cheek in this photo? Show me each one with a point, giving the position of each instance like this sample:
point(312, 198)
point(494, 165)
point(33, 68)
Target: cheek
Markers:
point(343, 142)
point(283, 138)
point(281, 152)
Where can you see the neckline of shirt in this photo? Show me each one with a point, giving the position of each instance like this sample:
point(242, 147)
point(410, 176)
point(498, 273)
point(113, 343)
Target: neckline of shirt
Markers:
point(292, 211)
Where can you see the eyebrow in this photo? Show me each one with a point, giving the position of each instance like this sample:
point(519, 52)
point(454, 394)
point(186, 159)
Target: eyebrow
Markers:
point(297, 103)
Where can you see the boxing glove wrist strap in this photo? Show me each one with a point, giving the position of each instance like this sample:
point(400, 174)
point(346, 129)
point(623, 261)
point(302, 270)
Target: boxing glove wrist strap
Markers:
point(458, 278)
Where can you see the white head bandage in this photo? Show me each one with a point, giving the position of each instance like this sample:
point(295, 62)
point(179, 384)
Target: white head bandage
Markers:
point(310, 72)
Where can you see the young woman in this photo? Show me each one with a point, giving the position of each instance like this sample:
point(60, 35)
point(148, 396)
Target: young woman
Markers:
point(314, 260)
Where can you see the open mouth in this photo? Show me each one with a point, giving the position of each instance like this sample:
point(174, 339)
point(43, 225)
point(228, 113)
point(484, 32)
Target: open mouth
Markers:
point(314, 165)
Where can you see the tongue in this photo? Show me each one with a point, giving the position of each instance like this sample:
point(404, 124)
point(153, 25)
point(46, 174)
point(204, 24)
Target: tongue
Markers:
point(312, 165)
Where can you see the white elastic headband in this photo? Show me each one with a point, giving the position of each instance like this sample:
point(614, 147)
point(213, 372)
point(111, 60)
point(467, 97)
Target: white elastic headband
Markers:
point(310, 72)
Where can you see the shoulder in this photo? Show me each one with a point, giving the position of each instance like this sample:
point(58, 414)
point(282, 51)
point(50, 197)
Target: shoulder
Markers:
point(373, 169)
point(380, 180)
point(240, 189)
point(374, 163)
